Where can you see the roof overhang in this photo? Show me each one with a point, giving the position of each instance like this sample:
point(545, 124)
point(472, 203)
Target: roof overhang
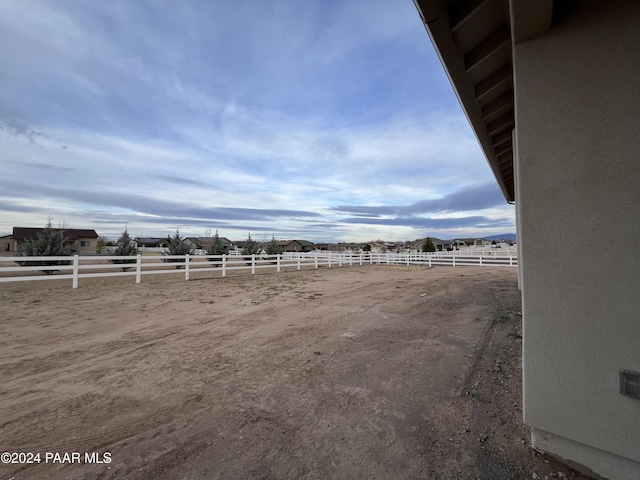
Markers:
point(474, 40)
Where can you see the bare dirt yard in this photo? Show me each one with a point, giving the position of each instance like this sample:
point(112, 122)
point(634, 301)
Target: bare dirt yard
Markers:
point(373, 372)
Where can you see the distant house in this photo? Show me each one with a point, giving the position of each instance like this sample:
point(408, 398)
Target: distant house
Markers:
point(150, 242)
point(378, 247)
point(193, 243)
point(440, 245)
point(203, 242)
point(456, 244)
point(5, 243)
point(296, 245)
point(238, 247)
point(83, 240)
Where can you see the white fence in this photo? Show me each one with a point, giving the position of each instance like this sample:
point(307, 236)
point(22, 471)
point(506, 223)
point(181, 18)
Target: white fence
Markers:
point(13, 269)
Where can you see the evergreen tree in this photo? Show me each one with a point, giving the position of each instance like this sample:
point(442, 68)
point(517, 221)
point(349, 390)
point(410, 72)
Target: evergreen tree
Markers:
point(428, 246)
point(216, 246)
point(366, 247)
point(125, 247)
point(273, 247)
point(176, 246)
point(251, 247)
point(50, 242)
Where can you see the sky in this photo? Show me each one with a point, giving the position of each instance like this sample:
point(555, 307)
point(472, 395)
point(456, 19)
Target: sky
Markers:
point(323, 120)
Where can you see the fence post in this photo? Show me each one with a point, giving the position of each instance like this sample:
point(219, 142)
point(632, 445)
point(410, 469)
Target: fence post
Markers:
point(278, 264)
point(253, 264)
point(224, 265)
point(480, 260)
point(75, 271)
point(510, 264)
point(138, 267)
point(361, 254)
point(299, 257)
point(429, 257)
point(340, 258)
point(186, 267)
point(454, 261)
point(316, 259)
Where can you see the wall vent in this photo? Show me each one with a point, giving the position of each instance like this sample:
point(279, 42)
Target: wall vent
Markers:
point(630, 383)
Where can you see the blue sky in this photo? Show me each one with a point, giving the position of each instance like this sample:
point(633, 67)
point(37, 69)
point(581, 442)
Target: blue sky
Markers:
point(323, 120)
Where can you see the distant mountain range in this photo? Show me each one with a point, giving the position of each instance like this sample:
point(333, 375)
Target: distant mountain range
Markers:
point(509, 237)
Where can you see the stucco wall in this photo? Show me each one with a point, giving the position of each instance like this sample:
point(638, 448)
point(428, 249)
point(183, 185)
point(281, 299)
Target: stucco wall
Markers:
point(90, 248)
point(578, 168)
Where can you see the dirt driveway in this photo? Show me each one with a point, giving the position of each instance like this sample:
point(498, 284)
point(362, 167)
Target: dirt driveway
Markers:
point(374, 372)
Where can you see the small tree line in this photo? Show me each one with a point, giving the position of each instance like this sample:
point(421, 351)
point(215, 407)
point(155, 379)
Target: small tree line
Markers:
point(52, 242)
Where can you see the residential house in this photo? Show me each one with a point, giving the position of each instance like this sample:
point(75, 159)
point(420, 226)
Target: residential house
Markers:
point(84, 241)
point(296, 245)
point(5, 243)
point(440, 245)
point(238, 246)
point(458, 243)
point(150, 242)
point(203, 242)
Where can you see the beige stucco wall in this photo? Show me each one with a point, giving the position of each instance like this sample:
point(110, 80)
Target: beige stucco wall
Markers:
point(578, 168)
point(91, 248)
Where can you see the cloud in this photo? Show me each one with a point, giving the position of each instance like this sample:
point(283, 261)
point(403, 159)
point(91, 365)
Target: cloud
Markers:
point(471, 198)
point(181, 181)
point(20, 128)
point(151, 206)
point(433, 223)
point(41, 166)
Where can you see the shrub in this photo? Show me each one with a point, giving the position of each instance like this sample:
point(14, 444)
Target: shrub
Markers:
point(125, 247)
point(100, 245)
point(50, 242)
point(216, 247)
point(272, 249)
point(251, 247)
point(176, 246)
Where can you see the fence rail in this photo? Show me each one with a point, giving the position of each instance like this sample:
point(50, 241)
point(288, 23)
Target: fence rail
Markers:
point(77, 267)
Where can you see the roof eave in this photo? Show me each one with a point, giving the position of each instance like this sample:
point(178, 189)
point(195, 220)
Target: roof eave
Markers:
point(435, 16)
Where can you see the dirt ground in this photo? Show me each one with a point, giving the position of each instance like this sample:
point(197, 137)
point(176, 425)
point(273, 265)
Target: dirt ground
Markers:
point(373, 372)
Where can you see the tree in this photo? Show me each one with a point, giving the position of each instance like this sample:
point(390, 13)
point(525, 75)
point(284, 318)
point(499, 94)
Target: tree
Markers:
point(50, 242)
point(251, 247)
point(428, 246)
point(273, 247)
point(366, 247)
point(125, 247)
point(100, 245)
point(216, 246)
point(176, 246)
